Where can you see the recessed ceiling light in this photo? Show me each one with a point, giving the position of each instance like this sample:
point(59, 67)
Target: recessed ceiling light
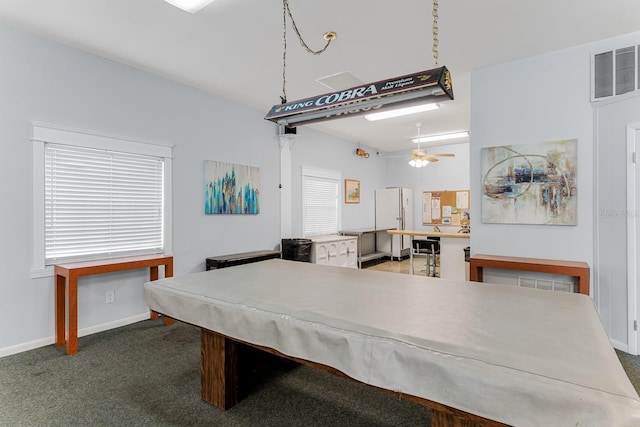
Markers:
point(441, 137)
point(401, 112)
point(191, 6)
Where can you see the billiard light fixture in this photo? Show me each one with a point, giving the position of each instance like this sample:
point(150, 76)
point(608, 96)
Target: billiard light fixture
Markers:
point(191, 6)
point(401, 112)
point(424, 87)
point(441, 137)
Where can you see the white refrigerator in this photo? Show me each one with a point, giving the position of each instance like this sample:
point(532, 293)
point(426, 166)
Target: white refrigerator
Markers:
point(394, 209)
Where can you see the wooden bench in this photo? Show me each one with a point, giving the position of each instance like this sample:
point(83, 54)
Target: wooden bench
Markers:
point(223, 261)
point(568, 268)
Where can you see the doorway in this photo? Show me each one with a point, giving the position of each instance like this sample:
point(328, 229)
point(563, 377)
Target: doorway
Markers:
point(616, 241)
point(633, 233)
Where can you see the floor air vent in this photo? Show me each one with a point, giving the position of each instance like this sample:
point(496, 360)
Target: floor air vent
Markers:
point(544, 283)
point(615, 73)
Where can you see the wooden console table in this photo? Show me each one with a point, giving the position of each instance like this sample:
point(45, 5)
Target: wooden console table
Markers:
point(568, 268)
point(66, 292)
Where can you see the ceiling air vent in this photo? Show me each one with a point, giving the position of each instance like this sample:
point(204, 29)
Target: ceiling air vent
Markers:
point(615, 72)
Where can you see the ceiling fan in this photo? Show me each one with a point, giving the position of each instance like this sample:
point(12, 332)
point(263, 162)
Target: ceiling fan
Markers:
point(420, 157)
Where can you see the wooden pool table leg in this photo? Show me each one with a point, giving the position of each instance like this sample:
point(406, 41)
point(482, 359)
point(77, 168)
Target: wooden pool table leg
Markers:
point(451, 417)
point(219, 382)
point(218, 369)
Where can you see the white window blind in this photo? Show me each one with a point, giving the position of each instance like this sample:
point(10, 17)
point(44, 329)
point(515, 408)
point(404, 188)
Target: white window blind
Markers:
point(321, 196)
point(101, 203)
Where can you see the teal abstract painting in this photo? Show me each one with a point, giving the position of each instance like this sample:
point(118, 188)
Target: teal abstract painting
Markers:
point(231, 189)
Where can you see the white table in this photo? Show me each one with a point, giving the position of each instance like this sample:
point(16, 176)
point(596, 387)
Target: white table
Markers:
point(517, 356)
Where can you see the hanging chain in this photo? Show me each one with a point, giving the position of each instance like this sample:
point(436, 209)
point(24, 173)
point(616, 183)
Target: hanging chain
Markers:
point(434, 49)
point(328, 36)
point(284, 54)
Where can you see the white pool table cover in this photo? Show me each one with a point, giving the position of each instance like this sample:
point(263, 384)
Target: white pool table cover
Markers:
point(520, 356)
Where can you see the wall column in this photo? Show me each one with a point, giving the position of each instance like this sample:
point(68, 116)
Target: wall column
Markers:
point(286, 204)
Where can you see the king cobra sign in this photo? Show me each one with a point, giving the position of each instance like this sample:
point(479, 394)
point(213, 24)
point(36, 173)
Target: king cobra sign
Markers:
point(418, 88)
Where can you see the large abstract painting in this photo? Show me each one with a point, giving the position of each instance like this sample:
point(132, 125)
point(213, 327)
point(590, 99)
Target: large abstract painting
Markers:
point(530, 183)
point(231, 189)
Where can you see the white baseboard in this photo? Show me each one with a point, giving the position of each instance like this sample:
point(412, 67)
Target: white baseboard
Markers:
point(112, 325)
point(619, 345)
point(7, 351)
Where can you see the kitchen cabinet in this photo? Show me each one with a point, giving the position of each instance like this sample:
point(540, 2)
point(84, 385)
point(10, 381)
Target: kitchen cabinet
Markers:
point(339, 251)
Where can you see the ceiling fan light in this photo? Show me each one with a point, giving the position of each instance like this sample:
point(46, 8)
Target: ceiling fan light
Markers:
point(441, 137)
point(401, 111)
point(418, 163)
point(191, 6)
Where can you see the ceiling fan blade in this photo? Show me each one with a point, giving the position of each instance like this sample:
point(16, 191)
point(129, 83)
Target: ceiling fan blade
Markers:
point(430, 158)
point(444, 155)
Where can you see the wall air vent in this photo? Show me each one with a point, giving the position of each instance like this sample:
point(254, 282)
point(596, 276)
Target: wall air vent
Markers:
point(614, 73)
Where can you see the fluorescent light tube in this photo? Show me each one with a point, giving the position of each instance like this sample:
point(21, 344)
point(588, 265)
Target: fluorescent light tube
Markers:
point(401, 112)
point(441, 137)
point(191, 6)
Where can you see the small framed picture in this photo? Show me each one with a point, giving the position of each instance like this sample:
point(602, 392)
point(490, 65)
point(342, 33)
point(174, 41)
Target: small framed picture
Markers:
point(351, 191)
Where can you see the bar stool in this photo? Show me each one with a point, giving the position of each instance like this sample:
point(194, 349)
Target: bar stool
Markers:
point(433, 250)
point(430, 249)
point(420, 248)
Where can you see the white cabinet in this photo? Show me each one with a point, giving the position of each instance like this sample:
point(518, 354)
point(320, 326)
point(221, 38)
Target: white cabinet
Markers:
point(339, 251)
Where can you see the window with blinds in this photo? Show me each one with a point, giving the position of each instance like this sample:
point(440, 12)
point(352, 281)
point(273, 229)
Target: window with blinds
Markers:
point(321, 202)
point(100, 203)
point(97, 196)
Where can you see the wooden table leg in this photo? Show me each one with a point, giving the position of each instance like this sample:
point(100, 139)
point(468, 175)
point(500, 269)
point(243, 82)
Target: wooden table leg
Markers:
point(583, 282)
point(72, 338)
point(60, 309)
point(168, 272)
point(218, 369)
point(475, 272)
point(153, 275)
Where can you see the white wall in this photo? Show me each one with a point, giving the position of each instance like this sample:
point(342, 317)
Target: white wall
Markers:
point(319, 150)
point(541, 99)
point(49, 83)
point(45, 82)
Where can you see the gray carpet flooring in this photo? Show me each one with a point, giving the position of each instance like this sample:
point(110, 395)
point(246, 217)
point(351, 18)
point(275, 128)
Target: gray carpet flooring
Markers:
point(147, 374)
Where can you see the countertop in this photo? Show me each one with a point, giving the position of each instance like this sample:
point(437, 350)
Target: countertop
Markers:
point(430, 233)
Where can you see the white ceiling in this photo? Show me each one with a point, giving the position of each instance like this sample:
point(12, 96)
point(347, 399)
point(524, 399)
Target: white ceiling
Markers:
point(233, 48)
